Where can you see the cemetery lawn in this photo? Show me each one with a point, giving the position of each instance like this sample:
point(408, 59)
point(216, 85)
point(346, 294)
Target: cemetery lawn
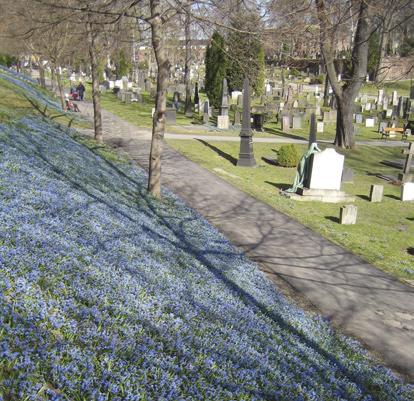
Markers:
point(109, 294)
point(384, 231)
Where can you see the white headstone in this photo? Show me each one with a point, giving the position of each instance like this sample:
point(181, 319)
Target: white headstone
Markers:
point(407, 191)
point(118, 83)
point(326, 170)
point(235, 94)
point(368, 107)
point(380, 97)
point(223, 122)
point(111, 84)
point(369, 122)
point(319, 127)
point(394, 98)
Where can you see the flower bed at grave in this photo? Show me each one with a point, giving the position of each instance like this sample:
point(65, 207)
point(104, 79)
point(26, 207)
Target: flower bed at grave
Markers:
point(107, 294)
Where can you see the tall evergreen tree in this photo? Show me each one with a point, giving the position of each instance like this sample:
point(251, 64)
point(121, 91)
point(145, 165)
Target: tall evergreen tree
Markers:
point(245, 53)
point(216, 65)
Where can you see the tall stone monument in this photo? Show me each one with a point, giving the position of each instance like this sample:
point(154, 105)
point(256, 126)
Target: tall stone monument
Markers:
point(246, 156)
point(223, 118)
point(312, 129)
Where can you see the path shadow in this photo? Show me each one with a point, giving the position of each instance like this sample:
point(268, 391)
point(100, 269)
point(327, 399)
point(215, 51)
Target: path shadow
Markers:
point(225, 155)
point(364, 197)
point(410, 251)
point(332, 218)
point(279, 185)
point(392, 197)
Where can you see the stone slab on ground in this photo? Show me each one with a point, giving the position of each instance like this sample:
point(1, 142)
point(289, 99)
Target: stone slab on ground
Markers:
point(360, 299)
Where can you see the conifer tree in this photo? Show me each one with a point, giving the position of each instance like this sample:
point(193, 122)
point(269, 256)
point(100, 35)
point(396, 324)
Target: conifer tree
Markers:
point(216, 65)
point(245, 53)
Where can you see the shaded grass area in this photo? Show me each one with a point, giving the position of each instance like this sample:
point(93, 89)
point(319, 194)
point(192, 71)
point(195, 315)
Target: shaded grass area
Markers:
point(15, 103)
point(384, 232)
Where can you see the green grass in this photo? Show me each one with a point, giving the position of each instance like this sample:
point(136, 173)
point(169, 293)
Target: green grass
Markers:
point(402, 87)
point(13, 105)
point(384, 231)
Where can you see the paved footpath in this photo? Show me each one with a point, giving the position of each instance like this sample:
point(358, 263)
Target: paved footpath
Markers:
point(358, 298)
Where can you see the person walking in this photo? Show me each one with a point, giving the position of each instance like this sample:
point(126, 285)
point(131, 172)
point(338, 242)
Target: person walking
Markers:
point(81, 90)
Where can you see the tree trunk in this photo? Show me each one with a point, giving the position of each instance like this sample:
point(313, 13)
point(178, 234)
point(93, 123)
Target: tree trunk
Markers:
point(187, 82)
point(42, 75)
point(60, 86)
point(96, 97)
point(53, 79)
point(344, 125)
point(158, 123)
point(326, 92)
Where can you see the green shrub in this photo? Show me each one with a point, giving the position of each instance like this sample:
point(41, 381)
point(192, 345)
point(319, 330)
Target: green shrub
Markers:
point(288, 156)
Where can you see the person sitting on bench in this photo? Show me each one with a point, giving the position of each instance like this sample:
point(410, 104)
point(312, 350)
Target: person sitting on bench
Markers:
point(71, 106)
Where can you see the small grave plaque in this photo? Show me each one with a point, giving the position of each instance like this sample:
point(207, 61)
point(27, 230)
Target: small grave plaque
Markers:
point(348, 214)
point(223, 122)
point(376, 193)
point(319, 127)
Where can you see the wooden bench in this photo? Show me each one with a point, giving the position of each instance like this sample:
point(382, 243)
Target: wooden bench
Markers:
point(386, 133)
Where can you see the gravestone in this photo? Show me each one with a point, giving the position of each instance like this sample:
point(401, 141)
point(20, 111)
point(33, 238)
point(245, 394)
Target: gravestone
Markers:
point(223, 122)
point(147, 85)
point(246, 156)
point(286, 123)
point(237, 118)
point(376, 193)
point(347, 175)
point(388, 113)
point(382, 126)
point(368, 107)
point(412, 92)
point(297, 122)
point(312, 129)
point(358, 118)
point(394, 98)
point(206, 109)
point(370, 122)
point(224, 110)
point(407, 191)
point(385, 102)
point(380, 97)
point(325, 170)
point(364, 99)
point(170, 116)
point(348, 214)
point(400, 107)
point(406, 176)
point(128, 97)
point(295, 104)
point(319, 127)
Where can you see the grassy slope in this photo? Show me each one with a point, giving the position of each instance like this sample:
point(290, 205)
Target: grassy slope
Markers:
point(384, 231)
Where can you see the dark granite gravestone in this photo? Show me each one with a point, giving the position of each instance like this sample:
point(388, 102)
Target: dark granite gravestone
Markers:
point(196, 96)
point(246, 156)
point(206, 110)
point(312, 129)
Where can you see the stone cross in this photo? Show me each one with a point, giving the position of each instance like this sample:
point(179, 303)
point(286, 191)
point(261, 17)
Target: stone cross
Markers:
point(246, 156)
point(224, 111)
point(312, 129)
point(405, 176)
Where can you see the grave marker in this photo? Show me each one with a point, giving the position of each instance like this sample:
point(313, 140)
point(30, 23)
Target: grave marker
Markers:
point(348, 214)
point(406, 176)
point(246, 156)
point(376, 193)
point(407, 191)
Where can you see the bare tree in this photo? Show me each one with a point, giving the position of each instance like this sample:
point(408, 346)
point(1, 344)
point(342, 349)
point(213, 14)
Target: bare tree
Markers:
point(345, 93)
